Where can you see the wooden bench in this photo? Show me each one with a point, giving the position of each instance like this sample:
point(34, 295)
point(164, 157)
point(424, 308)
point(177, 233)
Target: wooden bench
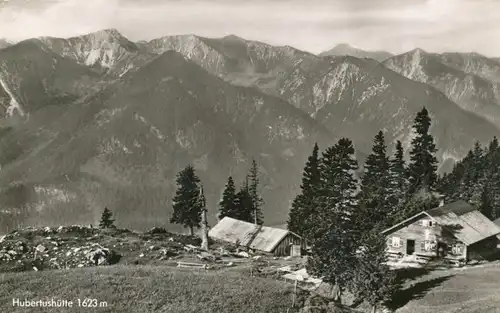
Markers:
point(192, 265)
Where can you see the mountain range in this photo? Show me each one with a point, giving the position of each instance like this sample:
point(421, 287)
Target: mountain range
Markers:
point(101, 121)
point(346, 49)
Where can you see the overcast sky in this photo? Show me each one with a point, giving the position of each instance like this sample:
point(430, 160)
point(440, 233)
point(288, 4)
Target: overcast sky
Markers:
point(311, 25)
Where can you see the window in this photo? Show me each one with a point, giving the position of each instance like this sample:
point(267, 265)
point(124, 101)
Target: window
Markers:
point(429, 245)
point(426, 223)
point(396, 242)
point(457, 249)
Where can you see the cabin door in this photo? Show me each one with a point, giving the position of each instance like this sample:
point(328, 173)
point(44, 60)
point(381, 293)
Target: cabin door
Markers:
point(410, 246)
point(441, 249)
point(295, 250)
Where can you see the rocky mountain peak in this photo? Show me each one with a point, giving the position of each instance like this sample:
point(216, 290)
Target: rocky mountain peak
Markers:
point(4, 43)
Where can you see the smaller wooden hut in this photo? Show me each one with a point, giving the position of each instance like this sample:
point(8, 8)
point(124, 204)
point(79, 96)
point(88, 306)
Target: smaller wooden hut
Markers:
point(279, 242)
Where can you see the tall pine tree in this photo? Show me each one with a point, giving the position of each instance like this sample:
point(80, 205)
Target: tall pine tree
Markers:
point(398, 182)
point(334, 238)
point(244, 204)
point(227, 206)
point(253, 188)
point(303, 207)
point(186, 204)
point(375, 186)
point(422, 170)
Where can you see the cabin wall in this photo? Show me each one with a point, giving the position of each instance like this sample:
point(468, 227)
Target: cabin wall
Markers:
point(424, 235)
point(483, 249)
point(284, 247)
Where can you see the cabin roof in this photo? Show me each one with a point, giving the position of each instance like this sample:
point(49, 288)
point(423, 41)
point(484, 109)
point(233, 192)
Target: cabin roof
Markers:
point(465, 222)
point(256, 237)
point(458, 208)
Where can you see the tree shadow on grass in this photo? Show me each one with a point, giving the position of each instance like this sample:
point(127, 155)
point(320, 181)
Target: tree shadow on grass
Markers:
point(402, 275)
point(415, 291)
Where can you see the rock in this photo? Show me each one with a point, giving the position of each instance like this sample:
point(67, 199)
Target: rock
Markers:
point(257, 257)
point(243, 254)
point(98, 256)
point(157, 230)
point(35, 269)
point(141, 255)
point(168, 253)
point(153, 248)
point(40, 248)
point(80, 265)
point(206, 256)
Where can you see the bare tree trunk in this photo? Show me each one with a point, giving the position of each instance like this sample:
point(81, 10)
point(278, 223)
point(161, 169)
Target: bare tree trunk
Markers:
point(374, 308)
point(191, 230)
point(204, 230)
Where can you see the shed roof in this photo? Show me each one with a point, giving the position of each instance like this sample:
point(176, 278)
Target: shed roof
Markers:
point(256, 237)
point(465, 222)
point(497, 221)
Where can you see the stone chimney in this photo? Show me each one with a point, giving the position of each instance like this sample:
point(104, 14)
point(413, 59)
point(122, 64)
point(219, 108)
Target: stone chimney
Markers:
point(441, 202)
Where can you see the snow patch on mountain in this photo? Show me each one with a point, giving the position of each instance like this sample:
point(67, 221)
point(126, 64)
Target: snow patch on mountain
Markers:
point(14, 104)
point(113, 145)
point(152, 128)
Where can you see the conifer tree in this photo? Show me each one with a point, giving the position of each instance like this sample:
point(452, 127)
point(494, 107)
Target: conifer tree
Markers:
point(373, 280)
point(227, 206)
point(423, 162)
point(106, 219)
point(398, 182)
point(303, 205)
point(492, 176)
point(335, 236)
point(243, 204)
point(253, 188)
point(486, 203)
point(186, 204)
point(375, 186)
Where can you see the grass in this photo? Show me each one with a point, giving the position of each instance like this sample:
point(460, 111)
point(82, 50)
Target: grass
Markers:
point(142, 289)
point(472, 290)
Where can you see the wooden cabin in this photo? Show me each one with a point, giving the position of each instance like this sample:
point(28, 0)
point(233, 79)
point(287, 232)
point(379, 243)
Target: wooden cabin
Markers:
point(276, 241)
point(456, 232)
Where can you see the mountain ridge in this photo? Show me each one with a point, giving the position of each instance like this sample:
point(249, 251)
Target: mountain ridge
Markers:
point(112, 121)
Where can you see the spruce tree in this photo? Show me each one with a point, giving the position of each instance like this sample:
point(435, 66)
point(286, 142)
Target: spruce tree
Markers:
point(375, 186)
point(398, 182)
point(334, 238)
point(227, 206)
point(303, 204)
point(423, 162)
point(486, 203)
point(186, 204)
point(253, 188)
point(492, 177)
point(244, 204)
point(373, 280)
point(106, 219)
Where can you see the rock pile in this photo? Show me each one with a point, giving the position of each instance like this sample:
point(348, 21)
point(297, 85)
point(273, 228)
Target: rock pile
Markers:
point(53, 248)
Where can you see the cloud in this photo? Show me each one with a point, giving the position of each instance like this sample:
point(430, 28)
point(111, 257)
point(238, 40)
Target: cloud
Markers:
point(314, 25)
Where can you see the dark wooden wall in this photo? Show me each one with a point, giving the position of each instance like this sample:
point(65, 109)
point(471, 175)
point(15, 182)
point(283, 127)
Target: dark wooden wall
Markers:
point(284, 247)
